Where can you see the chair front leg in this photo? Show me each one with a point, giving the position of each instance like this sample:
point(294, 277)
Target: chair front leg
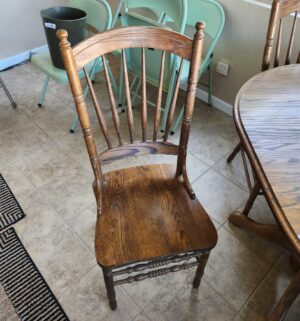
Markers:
point(200, 269)
point(109, 284)
point(43, 92)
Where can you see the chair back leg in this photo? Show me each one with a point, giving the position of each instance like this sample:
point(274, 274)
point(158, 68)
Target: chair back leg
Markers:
point(200, 269)
point(110, 289)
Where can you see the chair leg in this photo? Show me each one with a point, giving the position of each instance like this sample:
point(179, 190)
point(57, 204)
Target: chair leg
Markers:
point(210, 84)
point(109, 284)
point(43, 92)
point(2, 84)
point(200, 269)
point(236, 150)
point(177, 121)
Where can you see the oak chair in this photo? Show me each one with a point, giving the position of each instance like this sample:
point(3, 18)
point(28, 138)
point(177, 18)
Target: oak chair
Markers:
point(280, 15)
point(149, 221)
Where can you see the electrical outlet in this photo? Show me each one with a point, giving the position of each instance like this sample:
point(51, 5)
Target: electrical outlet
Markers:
point(223, 67)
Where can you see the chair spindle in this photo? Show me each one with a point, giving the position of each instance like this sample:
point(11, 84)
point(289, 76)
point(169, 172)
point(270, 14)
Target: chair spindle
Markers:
point(144, 97)
point(98, 110)
point(173, 104)
point(159, 97)
point(128, 98)
point(289, 52)
point(112, 100)
point(278, 45)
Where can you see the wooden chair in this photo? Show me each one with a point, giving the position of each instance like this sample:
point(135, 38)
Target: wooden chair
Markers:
point(148, 216)
point(280, 13)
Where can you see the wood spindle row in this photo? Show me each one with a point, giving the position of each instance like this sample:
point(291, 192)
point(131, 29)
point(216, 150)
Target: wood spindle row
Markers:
point(159, 97)
point(278, 45)
point(289, 52)
point(112, 101)
point(128, 98)
point(144, 97)
point(98, 110)
point(171, 114)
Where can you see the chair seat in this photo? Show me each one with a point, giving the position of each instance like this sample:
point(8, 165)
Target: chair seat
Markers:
point(146, 214)
point(44, 63)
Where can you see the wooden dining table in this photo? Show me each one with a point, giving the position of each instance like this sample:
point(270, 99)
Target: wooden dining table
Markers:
point(267, 118)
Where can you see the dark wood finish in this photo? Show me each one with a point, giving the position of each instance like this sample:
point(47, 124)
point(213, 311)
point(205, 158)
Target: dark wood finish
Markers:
point(200, 270)
point(128, 98)
point(159, 97)
point(145, 199)
point(281, 9)
point(112, 99)
point(173, 104)
point(132, 37)
point(109, 284)
point(138, 149)
point(148, 216)
point(267, 117)
point(144, 97)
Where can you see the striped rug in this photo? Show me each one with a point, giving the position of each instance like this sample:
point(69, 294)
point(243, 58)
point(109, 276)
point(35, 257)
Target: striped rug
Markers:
point(10, 210)
point(24, 294)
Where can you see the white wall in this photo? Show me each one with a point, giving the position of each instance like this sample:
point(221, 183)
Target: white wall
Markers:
point(21, 26)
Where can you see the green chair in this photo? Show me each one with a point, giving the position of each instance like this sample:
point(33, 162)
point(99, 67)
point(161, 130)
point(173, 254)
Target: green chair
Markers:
point(174, 11)
point(212, 13)
point(99, 17)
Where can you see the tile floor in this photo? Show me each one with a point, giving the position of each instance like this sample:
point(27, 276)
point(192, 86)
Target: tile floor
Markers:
point(48, 170)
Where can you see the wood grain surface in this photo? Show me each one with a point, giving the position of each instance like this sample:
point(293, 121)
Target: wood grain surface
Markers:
point(142, 218)
point(267, 116)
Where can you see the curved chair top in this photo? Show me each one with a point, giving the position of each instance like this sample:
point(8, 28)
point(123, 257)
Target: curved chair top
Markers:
point(132, 37)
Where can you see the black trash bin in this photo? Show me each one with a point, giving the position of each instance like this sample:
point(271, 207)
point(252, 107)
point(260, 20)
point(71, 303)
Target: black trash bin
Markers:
point(71, 19)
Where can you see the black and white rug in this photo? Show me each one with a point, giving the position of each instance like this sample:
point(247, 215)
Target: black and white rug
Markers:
point(10, 210)
point(24, 294)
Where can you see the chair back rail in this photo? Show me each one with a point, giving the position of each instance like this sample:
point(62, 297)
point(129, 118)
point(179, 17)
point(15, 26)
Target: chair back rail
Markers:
point(280, 12)
point(120, 39)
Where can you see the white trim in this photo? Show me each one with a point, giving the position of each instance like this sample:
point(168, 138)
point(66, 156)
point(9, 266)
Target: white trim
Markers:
point(216, 102)
point(21, 57)
point(260, 3)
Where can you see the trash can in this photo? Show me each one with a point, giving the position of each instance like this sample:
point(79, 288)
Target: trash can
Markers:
point(71, 19)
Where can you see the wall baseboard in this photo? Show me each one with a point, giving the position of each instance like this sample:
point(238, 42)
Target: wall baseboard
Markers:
point(216, 102)
point(21, 57)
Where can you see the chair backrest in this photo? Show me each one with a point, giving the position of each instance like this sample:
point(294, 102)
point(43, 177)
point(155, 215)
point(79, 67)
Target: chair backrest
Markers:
point(210, 12)
point(280, 12)
point(175, 10)
point(120, 39)
point(98, 12)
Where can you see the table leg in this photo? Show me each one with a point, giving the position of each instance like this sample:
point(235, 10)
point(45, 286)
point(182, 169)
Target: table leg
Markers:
point(287, 299)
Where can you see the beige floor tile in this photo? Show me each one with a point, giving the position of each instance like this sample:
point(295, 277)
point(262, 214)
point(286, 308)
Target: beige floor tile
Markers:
point(179, 301)
point(69, 197)
point(218, 196)
point(266, 250)
point(87, 301)
point(233, 270)
point(20, 142)
point(62, 259)
point(19, 184)
point(49, 166)
point(40, 219)
point(84, 225)
point(234, 171)
point(265, 298)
